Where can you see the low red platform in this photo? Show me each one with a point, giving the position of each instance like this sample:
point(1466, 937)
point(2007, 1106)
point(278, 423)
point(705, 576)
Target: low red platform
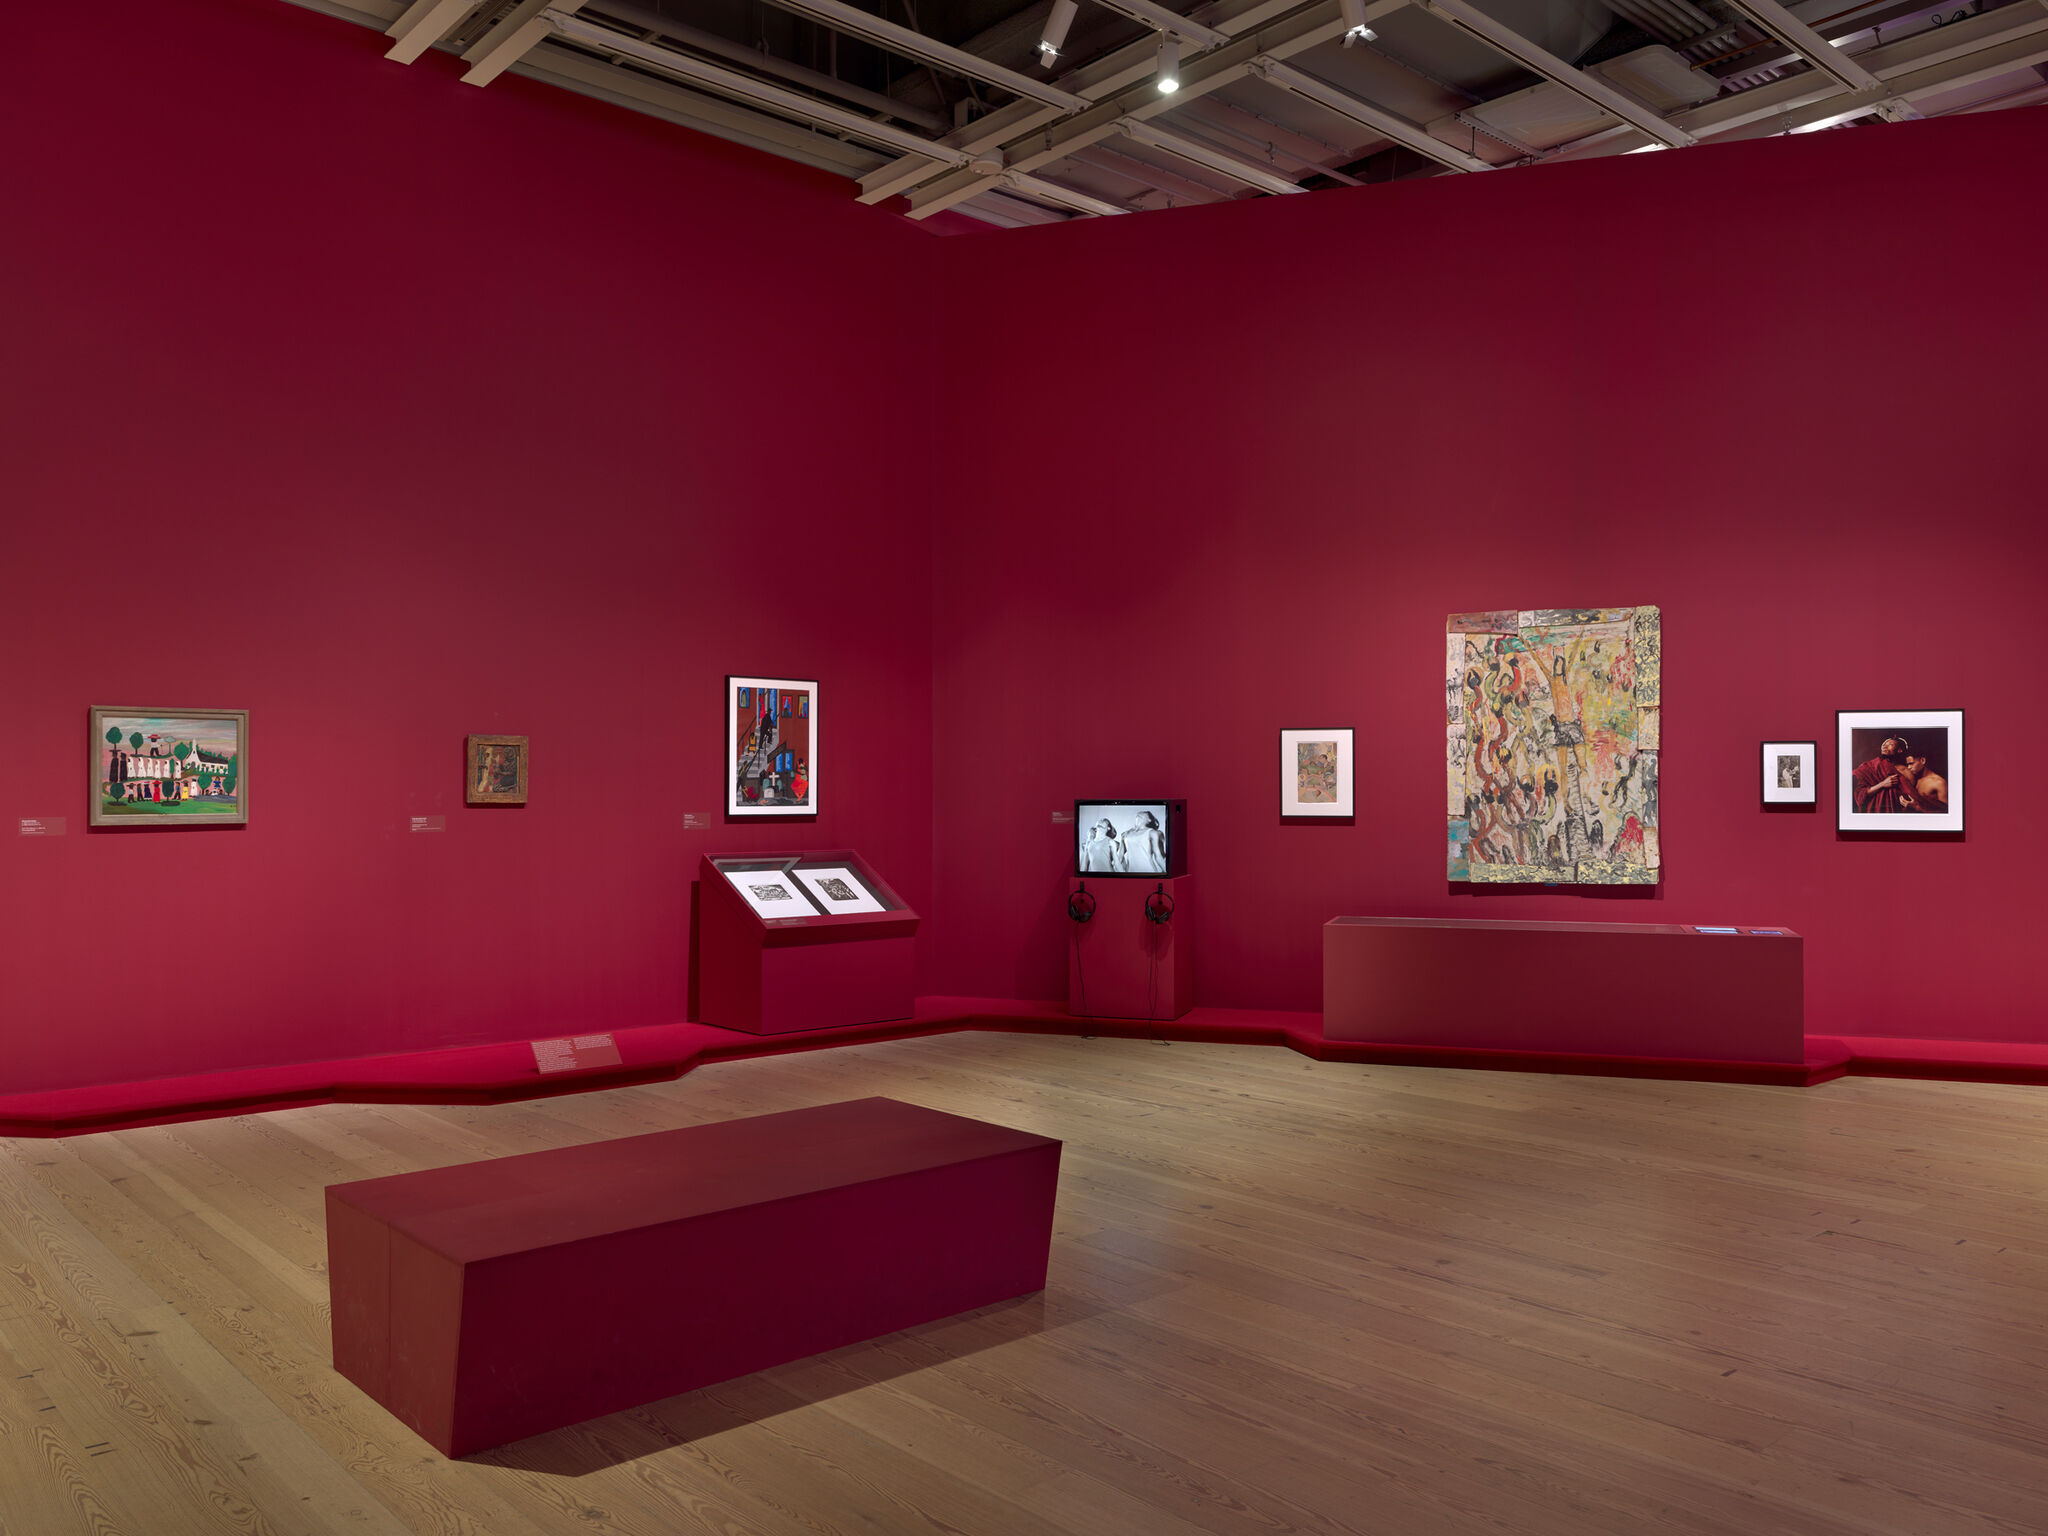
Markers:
point(1121, 964)
point(1596, 989)
point(489, 1301)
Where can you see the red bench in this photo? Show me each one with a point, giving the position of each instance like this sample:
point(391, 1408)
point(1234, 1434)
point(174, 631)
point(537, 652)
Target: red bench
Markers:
point(488, 1301)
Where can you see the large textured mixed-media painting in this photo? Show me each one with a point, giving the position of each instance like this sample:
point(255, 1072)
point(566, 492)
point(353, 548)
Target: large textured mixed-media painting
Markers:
point(1551, 735)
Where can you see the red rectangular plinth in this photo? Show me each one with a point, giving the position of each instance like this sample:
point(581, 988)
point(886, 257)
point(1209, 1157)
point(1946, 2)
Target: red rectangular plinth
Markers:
point(489, 1301)
point(1605, 989)
point(1121, 964)
point(792, 974)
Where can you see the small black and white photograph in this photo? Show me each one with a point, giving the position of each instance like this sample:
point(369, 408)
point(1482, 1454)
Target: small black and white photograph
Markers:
point(1789, 775)
point(838, 889)
point(771, 893)
point(1124, 838)
point(1900, 770)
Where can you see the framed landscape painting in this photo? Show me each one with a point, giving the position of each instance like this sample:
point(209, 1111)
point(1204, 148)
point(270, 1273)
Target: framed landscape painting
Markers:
point(1899, 770)
point(167, 767)
point(1315, 772)
point(771, 746)
point(497, 770)
point(1789, 775)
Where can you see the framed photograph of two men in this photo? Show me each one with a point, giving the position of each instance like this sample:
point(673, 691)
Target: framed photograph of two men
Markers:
point(1899, 770)
point(771, 746)
point(167, 767)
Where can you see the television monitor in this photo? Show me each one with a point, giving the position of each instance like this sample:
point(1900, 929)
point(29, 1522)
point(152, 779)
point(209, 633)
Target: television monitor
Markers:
point(1130, 839)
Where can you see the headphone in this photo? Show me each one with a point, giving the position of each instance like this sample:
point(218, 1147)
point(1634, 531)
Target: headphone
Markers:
point(1159, 906)
point(1081, 905)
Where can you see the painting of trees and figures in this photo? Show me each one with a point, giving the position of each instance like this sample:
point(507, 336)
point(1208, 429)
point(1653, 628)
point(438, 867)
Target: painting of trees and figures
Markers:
point(184, 767)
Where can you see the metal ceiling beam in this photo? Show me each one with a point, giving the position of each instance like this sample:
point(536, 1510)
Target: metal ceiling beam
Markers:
point(1505, 40)
point(696, 39)
point(1807, 43)
point(1913, 65)
point(841, 17)
point(1400, 130)
point(423, 24)
point(509, 40)
point(1294, 33)
point(1150, 173)
point(1197, 153)
point(689, 106)
point(1054, 192)
point(1160, 19)
point(747, 88)
point(1105, 77)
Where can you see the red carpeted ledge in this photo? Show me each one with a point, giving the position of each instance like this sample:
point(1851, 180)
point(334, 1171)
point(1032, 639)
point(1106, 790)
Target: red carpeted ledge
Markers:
point(498, 1073)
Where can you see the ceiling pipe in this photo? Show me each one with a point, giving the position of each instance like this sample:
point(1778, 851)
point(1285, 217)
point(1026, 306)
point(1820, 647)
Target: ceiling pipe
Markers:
point(1197, 153)
point(739, 53)
point(841, 17)
point(749, 89)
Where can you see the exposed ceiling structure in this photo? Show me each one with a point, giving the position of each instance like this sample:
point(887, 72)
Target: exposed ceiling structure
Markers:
point(1060, 109)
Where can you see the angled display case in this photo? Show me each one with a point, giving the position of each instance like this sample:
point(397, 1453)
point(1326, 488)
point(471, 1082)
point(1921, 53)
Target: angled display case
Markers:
point(800, 941)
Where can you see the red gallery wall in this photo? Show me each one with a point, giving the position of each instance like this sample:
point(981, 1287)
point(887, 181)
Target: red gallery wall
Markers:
point(391, 409)
point(1789, 390)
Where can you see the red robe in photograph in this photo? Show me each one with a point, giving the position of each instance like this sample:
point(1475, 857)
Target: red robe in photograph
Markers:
point(1864, 794)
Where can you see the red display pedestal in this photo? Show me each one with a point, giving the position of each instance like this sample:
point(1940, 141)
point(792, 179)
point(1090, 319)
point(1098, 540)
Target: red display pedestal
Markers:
point(1121, 964)
point(814, 968)
point(490, 1301)
point(1606, 989)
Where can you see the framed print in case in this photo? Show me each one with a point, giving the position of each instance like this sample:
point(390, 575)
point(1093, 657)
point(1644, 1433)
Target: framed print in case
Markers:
point(1315, 772)
point(1899, 770)
point(167, 767)
point(771, 746)
point(1789, 773)
point(837, 888)
point(497, 770)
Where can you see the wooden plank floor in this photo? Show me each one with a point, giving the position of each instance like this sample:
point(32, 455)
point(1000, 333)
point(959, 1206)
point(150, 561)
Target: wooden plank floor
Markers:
point(1285, 1297)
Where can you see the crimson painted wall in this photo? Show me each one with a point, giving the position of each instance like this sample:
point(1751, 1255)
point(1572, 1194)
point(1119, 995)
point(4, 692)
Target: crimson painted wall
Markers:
point(1790, 390)
point(391, 409)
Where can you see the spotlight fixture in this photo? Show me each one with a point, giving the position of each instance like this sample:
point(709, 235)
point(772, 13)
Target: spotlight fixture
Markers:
point(1355, 29)
point(1054, 37)
point(1169, 63)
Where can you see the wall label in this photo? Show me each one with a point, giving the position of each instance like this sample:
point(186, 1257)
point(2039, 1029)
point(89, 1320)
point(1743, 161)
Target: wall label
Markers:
point(574, 1053)
point(1063, 818)
point(696, 821)
point(430, 823)
point(42, 826)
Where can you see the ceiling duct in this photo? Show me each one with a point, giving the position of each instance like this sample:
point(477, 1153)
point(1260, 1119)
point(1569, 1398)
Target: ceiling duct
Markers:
point(1670, 21)
point(1547, 115)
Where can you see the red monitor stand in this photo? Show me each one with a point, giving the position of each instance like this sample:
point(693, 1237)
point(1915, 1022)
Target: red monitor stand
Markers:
point(1121, 964)
point(775, 976)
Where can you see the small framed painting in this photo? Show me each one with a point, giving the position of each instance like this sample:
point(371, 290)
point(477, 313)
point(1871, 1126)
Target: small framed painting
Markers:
point(771, 746)
point(1788, 769)
point(1899, 770)
point(497, 770)
point(167, 767)
point(1315, 772)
